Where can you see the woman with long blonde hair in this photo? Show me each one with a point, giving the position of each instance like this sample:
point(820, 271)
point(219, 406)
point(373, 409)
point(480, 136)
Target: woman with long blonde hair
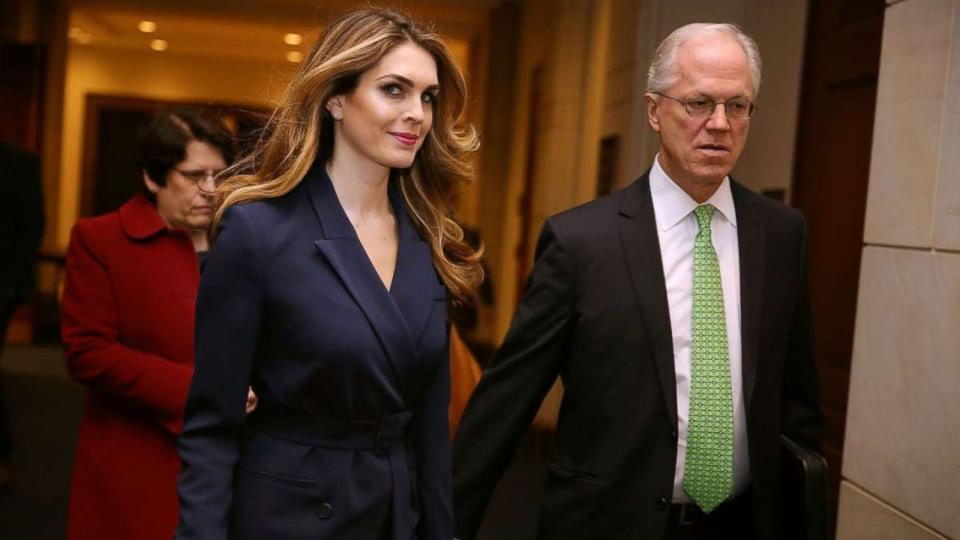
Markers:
point(325, 291)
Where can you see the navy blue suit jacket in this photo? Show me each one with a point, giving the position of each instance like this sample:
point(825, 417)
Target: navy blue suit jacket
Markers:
point(290, 303)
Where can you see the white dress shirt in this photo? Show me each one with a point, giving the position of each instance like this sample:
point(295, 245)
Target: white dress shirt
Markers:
point(677, 230)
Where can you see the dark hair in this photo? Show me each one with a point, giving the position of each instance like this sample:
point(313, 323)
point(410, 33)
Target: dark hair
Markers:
point(163, 140)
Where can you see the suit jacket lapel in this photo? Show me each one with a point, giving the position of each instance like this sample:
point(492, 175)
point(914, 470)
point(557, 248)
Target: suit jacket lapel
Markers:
point(415, 282)
point(641, 247)
point(343, 251)
point(752, 241)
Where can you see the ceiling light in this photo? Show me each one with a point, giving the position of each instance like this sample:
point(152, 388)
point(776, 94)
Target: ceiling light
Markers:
point(158, 44)
point(294, 56)
point(147, 27)
point(292, 39)
point(79, 35)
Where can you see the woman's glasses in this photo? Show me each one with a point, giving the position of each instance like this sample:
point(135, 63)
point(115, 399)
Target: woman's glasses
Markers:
point(200, 177)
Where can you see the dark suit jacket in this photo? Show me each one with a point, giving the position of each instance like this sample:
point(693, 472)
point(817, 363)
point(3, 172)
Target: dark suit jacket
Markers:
point(290, 303)
point(595, 313)
point(21, 218)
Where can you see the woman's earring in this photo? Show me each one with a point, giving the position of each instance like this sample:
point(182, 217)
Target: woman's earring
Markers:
point(337, 115)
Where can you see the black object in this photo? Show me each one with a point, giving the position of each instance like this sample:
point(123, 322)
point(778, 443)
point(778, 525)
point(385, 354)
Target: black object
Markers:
point(804, 492)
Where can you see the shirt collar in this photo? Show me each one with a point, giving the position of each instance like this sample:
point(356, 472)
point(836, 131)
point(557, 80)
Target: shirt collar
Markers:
point(671, 204)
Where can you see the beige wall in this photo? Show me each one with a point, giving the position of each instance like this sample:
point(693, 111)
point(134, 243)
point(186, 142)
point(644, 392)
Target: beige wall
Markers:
point(173, 77)
point(94, 70)
point(901, 464)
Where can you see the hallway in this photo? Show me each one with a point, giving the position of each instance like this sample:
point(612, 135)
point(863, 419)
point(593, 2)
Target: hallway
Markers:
point(45, 407)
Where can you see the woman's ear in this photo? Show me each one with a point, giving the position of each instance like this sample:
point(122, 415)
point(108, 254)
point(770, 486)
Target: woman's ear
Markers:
point(152, 186)
point(335, 107)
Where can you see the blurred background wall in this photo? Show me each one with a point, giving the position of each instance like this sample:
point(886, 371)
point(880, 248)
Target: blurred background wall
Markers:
point(857, 127)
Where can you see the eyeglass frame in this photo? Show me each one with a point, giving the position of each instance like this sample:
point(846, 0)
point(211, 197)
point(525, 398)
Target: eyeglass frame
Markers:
point(207, 173)
point(713, 108)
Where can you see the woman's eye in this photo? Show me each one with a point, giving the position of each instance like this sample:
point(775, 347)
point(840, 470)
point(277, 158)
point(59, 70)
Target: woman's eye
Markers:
point(429, 98)
point(393, 90)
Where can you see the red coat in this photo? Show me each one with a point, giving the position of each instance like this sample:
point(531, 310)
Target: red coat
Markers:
point(128, 308)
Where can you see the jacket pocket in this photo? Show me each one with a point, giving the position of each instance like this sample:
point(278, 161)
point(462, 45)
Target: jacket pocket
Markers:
point(281, 479)
point(570, 503)
point(565, 471)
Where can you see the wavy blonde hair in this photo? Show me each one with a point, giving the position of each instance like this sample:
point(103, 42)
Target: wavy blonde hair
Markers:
point(299, 132)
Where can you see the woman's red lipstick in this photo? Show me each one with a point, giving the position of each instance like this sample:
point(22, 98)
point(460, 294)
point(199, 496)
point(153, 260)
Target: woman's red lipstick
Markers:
point(408, 139)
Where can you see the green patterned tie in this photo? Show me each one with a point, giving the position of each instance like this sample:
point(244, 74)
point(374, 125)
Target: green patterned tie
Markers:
point(708, 472)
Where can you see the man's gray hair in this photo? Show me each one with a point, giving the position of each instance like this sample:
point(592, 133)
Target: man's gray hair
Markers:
point(663, 69)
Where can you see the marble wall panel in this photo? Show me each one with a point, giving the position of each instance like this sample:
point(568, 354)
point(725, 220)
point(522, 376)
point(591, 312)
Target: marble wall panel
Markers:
point(909, 118)
point(946, 234)
point(903, 437)
point(864, 517)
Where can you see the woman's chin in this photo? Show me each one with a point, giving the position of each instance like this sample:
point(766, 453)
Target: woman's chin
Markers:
point(399, 163)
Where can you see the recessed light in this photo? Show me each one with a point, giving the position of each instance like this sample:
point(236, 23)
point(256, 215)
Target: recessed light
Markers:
point(294, 56)
point(158, 44)
point(147, 27)
point(79, 35)
point(292, 39)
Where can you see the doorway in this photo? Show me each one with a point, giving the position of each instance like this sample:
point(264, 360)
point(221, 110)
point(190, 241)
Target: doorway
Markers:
point(832, 167)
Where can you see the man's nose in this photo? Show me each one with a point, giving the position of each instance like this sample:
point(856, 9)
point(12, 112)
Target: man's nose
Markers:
point(718, 120)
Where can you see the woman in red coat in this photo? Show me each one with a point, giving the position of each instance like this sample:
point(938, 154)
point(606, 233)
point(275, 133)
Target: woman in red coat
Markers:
point(128, 320)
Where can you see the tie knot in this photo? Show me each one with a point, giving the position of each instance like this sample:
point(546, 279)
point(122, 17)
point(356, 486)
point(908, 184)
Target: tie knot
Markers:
point(704, 213)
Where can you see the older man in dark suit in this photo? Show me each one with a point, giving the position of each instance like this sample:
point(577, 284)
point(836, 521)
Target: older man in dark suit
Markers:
point(676, 313)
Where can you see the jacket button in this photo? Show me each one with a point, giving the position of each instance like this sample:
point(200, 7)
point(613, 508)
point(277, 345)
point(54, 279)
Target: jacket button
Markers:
point(674, 435)
point(325, 511)
point(662, 503)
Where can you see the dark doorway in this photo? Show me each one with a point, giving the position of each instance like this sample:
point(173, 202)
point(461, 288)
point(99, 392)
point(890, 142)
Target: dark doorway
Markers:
point(110, 171)
point(22, 75)
point(830, 186)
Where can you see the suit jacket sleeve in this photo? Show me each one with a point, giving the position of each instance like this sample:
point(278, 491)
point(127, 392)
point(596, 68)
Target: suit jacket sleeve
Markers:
point(21, 216)
point(514, 384)
point(430, 435)
point(34, 220)
point(27, 210)
point(801, 418)
point(229, 306)
point(91, 339)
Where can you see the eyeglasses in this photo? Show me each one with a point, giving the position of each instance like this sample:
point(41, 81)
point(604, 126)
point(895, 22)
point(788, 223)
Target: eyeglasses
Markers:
point(198, 176)
point(701, 107)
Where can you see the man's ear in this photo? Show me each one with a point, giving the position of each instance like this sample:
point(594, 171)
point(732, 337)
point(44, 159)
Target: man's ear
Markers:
point(334, 106)
point(152, 186)
point(653, 108)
